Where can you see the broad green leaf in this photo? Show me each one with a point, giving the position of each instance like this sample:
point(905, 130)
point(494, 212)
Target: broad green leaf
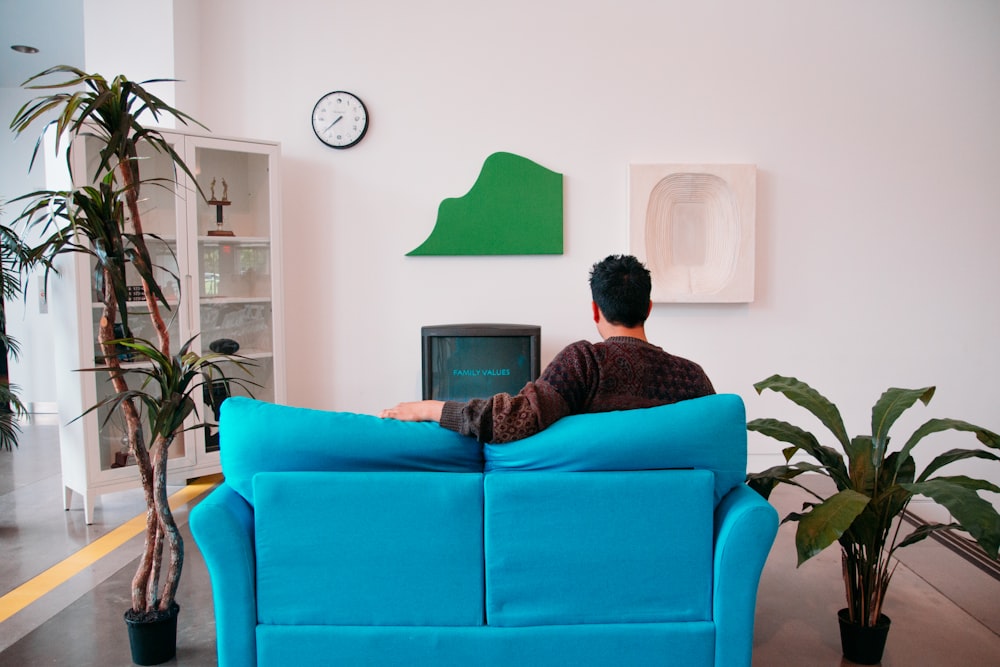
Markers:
point(830, 459)
point(868, 528)
point(805, 396)
point(988, 438)
point(827, 521)
point(897, 469)
point(859, 462)
point(889, 500)
point(874, 523)
point(970, 483)
point(765, 481)
point(953, 455)
point(924, 531)
point(893, 403)
point(785, 432)
point(975, 515)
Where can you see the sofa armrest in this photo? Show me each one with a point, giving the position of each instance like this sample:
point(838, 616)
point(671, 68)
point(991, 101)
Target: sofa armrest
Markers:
point(223, 528)
point(745, 528)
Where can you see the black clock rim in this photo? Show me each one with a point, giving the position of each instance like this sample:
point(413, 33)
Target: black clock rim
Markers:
point(364, 130)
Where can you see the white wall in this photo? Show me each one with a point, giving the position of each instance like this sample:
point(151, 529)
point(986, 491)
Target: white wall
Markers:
point(116, 43)
point(873, 126)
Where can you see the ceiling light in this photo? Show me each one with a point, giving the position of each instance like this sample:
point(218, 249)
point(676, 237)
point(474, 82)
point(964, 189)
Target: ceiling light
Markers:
point(22, 48)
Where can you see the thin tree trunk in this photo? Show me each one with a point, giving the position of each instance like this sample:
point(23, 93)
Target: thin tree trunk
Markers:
point(132, 201)
point(160, 523)
point(133, 428)
point(171, 533)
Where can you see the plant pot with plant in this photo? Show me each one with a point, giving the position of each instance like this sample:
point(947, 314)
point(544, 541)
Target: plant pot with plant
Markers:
point(873, 488)
point(164, 385)
point(103, 220)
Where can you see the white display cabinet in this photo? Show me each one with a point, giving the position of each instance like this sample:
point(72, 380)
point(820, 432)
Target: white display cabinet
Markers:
point(222, 280)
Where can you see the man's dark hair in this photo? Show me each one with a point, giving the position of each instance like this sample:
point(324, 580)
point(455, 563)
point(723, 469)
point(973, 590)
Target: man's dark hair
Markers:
point(620, 286)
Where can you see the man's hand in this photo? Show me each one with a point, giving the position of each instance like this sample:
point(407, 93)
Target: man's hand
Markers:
point(416, 411)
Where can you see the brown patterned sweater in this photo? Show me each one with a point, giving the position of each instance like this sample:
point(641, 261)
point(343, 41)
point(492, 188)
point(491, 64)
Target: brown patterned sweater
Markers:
point(620, 373)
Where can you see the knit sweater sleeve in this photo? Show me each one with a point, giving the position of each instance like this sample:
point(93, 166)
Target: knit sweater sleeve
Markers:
point(562, 390)
point(505, 418)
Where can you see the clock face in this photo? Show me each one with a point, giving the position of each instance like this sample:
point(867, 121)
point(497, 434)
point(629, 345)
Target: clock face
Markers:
point(340, 119)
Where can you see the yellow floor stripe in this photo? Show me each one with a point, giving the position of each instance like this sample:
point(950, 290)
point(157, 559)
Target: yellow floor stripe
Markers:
point(35, 588)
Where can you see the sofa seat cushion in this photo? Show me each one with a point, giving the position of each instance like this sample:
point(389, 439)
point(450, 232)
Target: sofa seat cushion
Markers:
point(263, 437)
point(708, 432)
point(342, 548)
point(613, 645)
point(612, 547)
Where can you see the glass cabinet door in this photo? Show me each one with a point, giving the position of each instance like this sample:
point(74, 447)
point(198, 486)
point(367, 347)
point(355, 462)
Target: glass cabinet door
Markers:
point(234, 272)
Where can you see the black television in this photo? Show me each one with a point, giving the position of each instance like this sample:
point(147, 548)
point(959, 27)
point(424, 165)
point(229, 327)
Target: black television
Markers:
point(463, 361)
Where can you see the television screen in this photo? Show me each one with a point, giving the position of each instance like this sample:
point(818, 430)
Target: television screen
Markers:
point(463, 361)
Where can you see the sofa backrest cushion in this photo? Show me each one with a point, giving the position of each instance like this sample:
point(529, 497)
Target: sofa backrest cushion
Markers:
point(602, 547)
point(255, 436)
point(708, 433)
point(362, 549)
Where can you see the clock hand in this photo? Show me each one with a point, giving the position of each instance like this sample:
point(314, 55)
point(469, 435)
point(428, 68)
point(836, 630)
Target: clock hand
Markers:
point(339, 118)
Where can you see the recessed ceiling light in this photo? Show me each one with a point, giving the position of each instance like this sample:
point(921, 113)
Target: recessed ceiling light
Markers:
point(23, 48)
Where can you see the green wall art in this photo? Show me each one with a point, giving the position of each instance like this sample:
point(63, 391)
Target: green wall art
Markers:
point(514, 208)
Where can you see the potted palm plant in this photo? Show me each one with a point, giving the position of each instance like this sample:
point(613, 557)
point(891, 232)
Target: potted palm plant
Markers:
point(163, 388)
point(103, 220)
point(873, 488)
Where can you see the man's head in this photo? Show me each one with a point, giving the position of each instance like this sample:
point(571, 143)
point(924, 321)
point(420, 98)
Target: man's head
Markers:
point(620, 286)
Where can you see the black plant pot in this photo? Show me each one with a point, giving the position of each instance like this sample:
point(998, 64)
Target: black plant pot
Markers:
point(861, 644)
point(152, 636)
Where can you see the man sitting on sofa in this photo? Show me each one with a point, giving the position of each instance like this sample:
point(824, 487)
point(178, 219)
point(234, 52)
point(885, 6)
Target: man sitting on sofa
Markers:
point(622, 372)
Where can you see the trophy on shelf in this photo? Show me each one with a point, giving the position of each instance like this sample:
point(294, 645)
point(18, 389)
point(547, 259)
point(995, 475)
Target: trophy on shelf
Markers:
point(218, 204)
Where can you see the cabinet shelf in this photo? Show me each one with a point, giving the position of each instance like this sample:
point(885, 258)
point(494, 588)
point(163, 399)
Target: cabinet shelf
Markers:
point(138, 305)
point(234, 240)
point(256, 354)
point(221, 300)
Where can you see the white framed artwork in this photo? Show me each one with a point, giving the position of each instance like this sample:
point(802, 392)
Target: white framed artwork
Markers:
point(693, 227)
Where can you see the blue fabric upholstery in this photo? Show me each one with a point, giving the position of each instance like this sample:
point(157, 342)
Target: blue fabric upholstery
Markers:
point(701, 433)
point(263, 437)
point(613, 645)
point(223, 529)
point(381, 548)
point(743, 523)
point(567, 548)
point(609, 539)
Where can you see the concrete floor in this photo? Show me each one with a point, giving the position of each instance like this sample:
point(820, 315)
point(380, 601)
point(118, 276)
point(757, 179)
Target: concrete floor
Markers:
point(944, 610)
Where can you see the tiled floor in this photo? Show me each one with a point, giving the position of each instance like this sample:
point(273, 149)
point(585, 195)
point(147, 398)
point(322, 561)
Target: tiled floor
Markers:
point(945, 611)
point(80, 622)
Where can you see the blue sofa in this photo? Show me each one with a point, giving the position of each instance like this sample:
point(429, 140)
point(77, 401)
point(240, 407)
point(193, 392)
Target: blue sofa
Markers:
point(621, 538)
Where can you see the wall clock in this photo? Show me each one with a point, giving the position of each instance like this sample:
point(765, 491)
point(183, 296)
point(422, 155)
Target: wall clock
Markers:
point(340, 119)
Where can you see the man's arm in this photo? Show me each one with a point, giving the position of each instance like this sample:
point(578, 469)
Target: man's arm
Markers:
point(415, 411)
point(564, 388)
point(505, 418)
point(500, 418)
